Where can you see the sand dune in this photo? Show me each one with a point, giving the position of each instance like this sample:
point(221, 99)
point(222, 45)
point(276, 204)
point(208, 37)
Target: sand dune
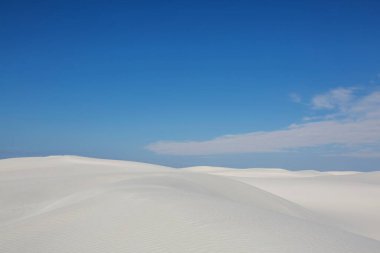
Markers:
point(347, 199)
point(76, 204)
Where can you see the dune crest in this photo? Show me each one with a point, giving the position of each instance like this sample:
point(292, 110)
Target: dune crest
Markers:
point(77, 204)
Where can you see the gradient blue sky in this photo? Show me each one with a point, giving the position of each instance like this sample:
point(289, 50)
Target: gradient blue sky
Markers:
point(119, 79)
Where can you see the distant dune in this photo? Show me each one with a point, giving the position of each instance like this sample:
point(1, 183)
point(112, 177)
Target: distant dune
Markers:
point(63, 204)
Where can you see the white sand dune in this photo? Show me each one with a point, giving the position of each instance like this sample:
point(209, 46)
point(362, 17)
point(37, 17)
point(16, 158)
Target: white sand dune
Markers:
point(347, 199)
point(76, 204)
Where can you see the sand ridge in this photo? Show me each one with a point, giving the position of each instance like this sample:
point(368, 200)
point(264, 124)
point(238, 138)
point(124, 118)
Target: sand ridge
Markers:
point(77, 204)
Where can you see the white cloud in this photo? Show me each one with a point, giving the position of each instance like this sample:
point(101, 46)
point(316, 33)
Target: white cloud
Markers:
point(337, 98)
point(358, 126)
point(368, 107)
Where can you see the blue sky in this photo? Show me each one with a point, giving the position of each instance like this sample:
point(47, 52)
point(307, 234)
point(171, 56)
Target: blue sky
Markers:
point(160, 81)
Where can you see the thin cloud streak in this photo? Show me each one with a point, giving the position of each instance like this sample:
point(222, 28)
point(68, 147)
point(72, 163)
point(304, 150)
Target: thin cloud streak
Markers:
point(338, 98)
point(357, 126)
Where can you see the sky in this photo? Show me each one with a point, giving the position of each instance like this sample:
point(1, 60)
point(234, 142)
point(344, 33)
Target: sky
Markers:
point(290, 84)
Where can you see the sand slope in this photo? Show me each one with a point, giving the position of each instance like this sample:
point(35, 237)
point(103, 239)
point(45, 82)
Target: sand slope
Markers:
point(75, 204)
point(346, 199)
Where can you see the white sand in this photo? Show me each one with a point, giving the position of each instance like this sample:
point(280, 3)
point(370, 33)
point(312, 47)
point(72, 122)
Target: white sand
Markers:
point(75, 204)
point(347, 199)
